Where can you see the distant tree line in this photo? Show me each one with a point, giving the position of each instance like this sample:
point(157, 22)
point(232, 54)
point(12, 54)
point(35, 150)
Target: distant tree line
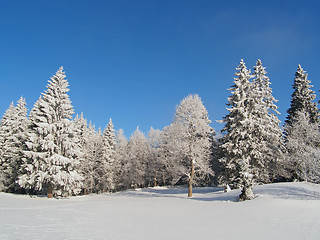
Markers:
point(50, 152)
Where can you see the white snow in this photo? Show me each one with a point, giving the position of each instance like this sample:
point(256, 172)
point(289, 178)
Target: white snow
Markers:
point(280, 211)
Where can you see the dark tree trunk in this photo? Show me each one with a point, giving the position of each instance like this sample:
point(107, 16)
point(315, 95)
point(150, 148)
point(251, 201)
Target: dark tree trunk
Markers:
point(50, 194)
point(85, 191)
point(246, 194)
point(163, 179)
point(154, 182)
point(191, 179)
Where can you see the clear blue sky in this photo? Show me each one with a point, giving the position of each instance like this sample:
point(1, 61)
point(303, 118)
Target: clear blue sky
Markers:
point(135, 60)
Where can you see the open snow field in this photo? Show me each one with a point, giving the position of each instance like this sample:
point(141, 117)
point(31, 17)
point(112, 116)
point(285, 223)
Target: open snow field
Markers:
point(280, 211)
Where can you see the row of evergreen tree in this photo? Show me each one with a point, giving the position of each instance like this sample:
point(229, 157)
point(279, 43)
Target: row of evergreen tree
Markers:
point(49, 152)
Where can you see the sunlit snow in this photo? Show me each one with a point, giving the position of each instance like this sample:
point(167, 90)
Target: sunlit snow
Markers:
point(279, 211)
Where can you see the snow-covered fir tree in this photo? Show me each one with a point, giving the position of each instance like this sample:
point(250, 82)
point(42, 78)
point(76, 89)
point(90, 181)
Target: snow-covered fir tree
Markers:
point(95, 164)
point(99, 162)
point(13, 136)
point(120, 160)
point(303, 148)
point(154, 164)
point(86, 137)
point(27, 167)
point(5, 132)
point(215, 164)
point(110, 136)
point(52, 156)
point(137, 157)
point(238, 143)
point(268, 160)
point(92, 154)
point(192, 138)
point(108, 151)
point(81, 129)
point(302, 99)
point(17, 141)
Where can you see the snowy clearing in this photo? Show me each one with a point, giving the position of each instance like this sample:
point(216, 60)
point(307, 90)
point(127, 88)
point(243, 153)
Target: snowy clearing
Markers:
point(280, 211)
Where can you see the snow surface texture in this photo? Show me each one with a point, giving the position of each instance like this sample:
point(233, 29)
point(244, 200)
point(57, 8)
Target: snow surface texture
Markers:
point(280, 211)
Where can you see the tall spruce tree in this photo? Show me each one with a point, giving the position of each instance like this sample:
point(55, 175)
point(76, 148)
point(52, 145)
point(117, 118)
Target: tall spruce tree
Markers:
point(52, 155)
point(110, 137)
point(267, 164)
point(238, 143)
point(108, 145)
point(6, 131)
point(302, 99)
point(13, 132)
point(27, 167)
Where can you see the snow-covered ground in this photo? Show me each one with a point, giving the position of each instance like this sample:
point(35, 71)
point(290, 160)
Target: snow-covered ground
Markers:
point(280, 211)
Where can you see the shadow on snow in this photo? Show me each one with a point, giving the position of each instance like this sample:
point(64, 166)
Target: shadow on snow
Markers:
point(293, 191)
point(289, 192)
point(199, 193)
